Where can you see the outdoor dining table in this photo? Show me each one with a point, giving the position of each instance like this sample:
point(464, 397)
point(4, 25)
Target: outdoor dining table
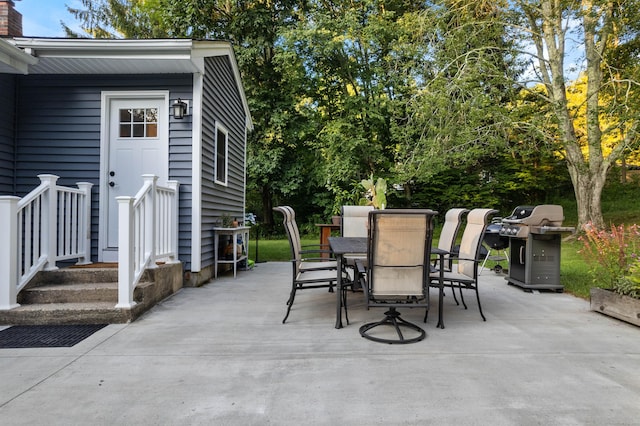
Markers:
point(341, 246)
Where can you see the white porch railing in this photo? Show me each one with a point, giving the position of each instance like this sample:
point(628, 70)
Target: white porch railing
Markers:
point(147, 231)
point(51, 223)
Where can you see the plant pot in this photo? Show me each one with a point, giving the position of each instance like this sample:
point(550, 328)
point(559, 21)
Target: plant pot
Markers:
point(335, 220)
point(610, 303)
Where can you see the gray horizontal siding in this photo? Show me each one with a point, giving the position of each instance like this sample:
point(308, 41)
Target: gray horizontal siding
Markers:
point(7, 133)
point(222, 104)
point(59, 133)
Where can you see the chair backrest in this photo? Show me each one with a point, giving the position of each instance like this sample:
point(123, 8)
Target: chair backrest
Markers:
point(477, 221)
point(291, 227)
point(354, 221)
point(450, 229)
point(399, 253)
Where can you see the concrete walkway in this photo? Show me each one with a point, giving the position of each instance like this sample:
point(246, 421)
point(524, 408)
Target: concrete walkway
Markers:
point(219, 355)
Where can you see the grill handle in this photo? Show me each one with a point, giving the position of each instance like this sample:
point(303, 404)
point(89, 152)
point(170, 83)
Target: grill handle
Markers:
point(522, 255)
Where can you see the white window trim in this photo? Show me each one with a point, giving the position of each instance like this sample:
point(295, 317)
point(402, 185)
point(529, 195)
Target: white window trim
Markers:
point(221, 128)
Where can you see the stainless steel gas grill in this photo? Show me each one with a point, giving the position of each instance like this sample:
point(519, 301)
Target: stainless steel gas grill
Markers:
point(534, 239)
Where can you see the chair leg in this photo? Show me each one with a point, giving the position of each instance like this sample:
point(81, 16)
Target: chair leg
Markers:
point(479, 306)
point(461, 295)
point(344, 303)
point(292, 297)
point(455, 298)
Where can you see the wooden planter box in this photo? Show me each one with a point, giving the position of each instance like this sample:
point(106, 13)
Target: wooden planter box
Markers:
point(624, 308)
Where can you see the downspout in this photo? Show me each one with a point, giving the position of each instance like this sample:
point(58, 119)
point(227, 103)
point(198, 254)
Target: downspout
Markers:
point(196, 173)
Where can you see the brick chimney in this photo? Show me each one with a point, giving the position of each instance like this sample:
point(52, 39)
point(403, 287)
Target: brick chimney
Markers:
point(10, 20)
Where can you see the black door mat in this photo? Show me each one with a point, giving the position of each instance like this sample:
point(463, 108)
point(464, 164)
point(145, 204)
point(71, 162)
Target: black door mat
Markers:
point(46, 336)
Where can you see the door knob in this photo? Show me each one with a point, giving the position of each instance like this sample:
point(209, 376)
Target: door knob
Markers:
point(112, 184)
point(112, 173)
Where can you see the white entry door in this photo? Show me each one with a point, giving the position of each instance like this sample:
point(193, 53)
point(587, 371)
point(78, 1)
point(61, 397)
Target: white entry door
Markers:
point(137, 144)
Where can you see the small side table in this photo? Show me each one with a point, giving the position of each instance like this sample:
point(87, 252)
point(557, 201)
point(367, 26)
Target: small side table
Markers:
point(325, 233)
point(233, 233)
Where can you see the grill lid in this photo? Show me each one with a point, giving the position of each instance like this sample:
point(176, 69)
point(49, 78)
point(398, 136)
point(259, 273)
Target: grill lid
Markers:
point(544, 214)
point(520, 212)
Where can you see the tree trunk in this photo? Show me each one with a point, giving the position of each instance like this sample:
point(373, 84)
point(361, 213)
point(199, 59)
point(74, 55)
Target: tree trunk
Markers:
point(588, 192)
point(588, 175)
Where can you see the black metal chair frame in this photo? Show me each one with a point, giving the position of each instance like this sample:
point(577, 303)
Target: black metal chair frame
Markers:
point(310, 272)
point(472, 237)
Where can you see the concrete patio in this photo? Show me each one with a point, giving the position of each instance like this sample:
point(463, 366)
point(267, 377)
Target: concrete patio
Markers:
point(219, 355)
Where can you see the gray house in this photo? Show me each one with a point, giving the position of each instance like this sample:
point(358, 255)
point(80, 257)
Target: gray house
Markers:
point(107, 112)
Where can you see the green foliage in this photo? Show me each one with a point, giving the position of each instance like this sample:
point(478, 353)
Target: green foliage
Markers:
point(613, 257)
point(424, 94)
point(375, 193)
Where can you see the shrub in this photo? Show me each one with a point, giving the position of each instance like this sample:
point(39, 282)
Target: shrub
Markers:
point(613, 257)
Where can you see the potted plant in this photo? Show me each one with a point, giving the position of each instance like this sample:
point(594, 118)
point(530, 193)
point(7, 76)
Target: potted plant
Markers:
point(375, 193)
point(613, 257)
point(227, 221)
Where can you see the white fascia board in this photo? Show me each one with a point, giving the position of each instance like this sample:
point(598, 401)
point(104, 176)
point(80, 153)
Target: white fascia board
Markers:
point(106, 48)
point(16, 59)
point(206, 49)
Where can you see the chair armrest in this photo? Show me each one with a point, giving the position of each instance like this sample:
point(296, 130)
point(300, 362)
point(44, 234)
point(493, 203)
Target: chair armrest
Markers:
point(472, 260)
point(319, 246)
point(315, 251)
point(317, 259)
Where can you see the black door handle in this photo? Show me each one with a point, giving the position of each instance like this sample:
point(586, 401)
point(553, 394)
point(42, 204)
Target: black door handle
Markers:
point(112, 184)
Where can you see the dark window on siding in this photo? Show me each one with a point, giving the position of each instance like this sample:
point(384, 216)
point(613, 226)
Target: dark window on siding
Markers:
point(221, 154)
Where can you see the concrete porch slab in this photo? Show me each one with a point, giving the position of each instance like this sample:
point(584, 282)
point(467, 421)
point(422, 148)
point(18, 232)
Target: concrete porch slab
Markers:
point(219, 354)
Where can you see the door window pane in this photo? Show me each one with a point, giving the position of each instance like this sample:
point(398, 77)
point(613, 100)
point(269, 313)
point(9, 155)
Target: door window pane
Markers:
point(138, 123)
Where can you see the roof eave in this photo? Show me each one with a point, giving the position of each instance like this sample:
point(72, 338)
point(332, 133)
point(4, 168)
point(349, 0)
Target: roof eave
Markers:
point(14, 60)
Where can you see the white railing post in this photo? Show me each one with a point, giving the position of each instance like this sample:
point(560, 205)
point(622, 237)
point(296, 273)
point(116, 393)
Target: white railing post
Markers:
point(174, 185)
point(8, 255)
point(125, 252)
point(85, 224)
point(49, 220)
point(150, 227)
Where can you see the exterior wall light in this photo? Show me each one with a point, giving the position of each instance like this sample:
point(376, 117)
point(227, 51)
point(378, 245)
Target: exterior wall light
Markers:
point(180, 109)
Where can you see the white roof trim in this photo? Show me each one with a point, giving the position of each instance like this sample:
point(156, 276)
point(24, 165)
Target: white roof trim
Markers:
point(14, 60)
point(123, 56)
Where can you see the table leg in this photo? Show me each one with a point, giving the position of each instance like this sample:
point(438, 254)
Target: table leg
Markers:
point(216, 245)
point(339, 292)
point(441, 293)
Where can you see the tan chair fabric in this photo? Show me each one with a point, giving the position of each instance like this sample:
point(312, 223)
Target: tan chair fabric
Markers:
point(449, 233)
point(354, 221)
point(464, 274)
point(399, 253)
point(303, 262)
point(477, 221)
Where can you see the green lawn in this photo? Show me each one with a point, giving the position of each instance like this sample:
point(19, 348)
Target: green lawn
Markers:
point(573, 269)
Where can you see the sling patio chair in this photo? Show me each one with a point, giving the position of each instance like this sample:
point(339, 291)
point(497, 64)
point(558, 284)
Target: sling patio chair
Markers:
point(397, 275)
point(354, 223)
point(310, 270)
point(449, 234)
point(464, 273)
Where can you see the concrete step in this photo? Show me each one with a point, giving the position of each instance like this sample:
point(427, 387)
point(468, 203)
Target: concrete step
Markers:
point(68, 313)
point(70, 293)
point(89, 296)
point(78, 293)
